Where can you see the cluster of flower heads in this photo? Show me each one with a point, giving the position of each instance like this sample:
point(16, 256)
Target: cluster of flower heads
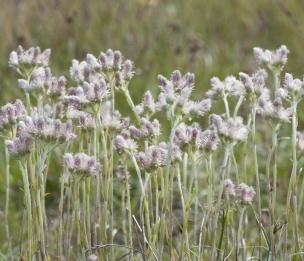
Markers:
point(81, 163)
point(41, 122)
point(229, 128)
point(107, 64)
point(11, 113)
point(112, 119)
point(175, 95)
point(230, 86)
point(293, 87)
point(275, 60)
point(256, 83)
point(20, 145)
point(147, 129)
point(82, 119)
point(124, 144)
point(94, 78)
point(157, 156)
point(87, 93)
point(274, 108)
point(32, 56)
point(192, 136)
point(241, 192)
point(39, 79)
point(154, 156)
point(46, 129)
point(32, 65)
point(54, 111)
point(56, 87)
point(233, 87)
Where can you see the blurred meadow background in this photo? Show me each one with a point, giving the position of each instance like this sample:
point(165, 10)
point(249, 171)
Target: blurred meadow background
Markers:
point(206, 37)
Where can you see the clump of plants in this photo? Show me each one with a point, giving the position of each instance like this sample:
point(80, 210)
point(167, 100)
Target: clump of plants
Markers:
point(207, 189)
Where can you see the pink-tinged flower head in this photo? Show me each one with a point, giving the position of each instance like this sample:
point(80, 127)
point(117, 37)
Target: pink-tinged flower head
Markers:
point(32, 56)
point(19, 146)
point(81, 163)
point(245, 193)
point(229, 188)
point(274, 59)
point(11, 113)
point(229, 128)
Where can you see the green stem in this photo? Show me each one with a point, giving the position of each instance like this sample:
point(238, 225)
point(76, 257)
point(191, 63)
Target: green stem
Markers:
point(131, 103)
point(238, 105)
point(219, 247)
point(226, 105)
point(224, 170)
point(292, 188)
point(239, 233)
point(185, 245)
point(145, 216)
point(129, 210)
point(256, 167)
point(27, 194)
point(60, 234)
point(7, 198)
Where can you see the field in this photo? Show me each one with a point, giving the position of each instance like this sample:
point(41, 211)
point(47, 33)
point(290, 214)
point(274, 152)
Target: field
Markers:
point(151, 130)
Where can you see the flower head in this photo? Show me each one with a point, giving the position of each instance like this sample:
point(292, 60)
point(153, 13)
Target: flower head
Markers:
point(294, 86)
point(32, 56)
point(56, 86)
point(207, 140)
point(11, 113)
point(254, 83)
point(274, 109)
point(19, 146)
point(275, 60)
point(229, 188)
point(83, 120)
point(229, 86)
point(245, 193)
point(81, 163)
point(110, 60)
point(123, 144)
point(229, 128)
point(125, 74)
point(46, 129)
point(40, 78)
